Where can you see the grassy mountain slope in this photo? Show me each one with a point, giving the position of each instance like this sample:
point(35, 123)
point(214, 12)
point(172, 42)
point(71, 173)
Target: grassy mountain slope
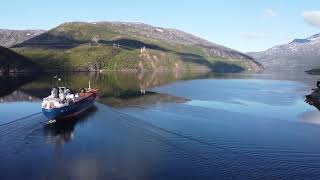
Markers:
point(116, 46)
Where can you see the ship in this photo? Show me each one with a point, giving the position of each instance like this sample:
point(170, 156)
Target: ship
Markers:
point(63, 104)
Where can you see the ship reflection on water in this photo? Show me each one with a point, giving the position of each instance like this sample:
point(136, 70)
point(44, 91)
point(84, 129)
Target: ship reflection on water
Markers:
point(62, 132)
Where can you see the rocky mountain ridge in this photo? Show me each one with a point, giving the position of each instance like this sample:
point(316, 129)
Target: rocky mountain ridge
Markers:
point(10, 38)
point(297, 56)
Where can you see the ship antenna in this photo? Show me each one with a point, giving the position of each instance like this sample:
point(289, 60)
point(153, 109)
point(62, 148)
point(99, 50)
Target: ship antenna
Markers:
point(54, 80)
point(59, 79)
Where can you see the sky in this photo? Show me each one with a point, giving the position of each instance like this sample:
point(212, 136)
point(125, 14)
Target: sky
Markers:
point(244, 25)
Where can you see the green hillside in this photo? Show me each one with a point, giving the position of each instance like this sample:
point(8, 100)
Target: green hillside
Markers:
point(104, 46)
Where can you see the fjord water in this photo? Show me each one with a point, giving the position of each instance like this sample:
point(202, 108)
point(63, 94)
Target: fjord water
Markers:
point(163, 126)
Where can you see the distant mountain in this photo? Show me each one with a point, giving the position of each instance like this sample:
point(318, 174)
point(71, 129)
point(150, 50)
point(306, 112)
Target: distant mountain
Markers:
point(9, 38)
point(312, 38)
point(297, 56)
point(117, 46)
point(11, 62)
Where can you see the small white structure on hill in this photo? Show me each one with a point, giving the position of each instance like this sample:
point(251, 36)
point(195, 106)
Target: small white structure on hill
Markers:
point(115, 45)
point(143, 49)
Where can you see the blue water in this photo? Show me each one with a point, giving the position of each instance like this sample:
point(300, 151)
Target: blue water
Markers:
point(216, 128)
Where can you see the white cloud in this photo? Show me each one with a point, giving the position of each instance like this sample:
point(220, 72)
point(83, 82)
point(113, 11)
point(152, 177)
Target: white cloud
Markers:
point(255, 35)
point(269, 13)
point(312, 18)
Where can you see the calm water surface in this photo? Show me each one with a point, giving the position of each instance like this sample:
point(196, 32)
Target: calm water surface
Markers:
point(164, 126)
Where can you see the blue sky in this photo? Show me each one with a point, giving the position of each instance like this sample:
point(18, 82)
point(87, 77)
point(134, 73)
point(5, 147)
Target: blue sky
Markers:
point(247, 25)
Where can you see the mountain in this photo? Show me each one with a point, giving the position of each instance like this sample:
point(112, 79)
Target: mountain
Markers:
point(9, 38)
point(297, 56)
point(100, 46)
point(12, 62)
